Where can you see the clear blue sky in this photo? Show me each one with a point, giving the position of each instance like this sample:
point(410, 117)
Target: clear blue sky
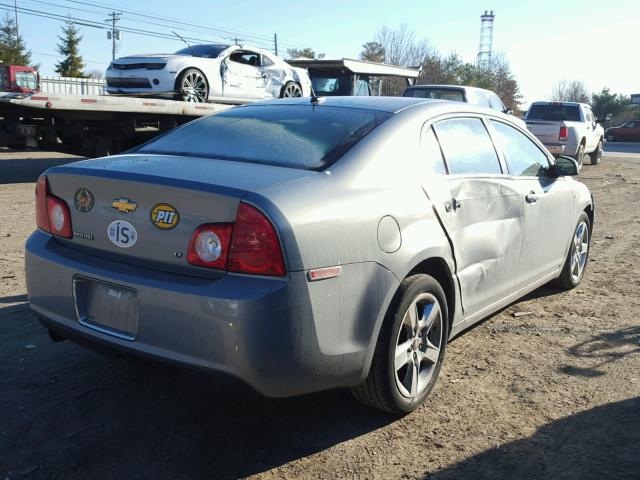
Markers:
point(545, 40)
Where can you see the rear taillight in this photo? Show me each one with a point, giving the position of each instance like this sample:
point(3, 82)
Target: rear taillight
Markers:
point(52, 213)
point(255, 248)
point(210, 245)
point(564, 133)
point(42, 217)
point(250, 245)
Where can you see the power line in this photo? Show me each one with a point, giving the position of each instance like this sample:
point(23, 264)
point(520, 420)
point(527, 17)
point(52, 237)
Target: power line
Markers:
point(95, 24)
point(60, 56)
point(190, 24)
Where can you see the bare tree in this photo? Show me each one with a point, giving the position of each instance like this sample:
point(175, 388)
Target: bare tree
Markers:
point(96, 74)
point(570, 91)
point(401, 46)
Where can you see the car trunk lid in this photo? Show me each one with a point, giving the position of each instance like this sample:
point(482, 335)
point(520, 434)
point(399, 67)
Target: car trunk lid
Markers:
point(143, 209)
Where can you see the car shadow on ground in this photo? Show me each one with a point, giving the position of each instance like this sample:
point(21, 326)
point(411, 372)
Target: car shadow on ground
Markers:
point(603, 349)
point(597, 443)
point(23, 170)
point(73, 413)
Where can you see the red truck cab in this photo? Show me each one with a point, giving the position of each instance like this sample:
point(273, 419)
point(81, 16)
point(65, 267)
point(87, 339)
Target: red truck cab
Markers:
point(19, 79)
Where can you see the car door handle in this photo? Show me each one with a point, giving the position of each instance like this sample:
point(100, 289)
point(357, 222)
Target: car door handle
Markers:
point(531, 197)
point(453, 205)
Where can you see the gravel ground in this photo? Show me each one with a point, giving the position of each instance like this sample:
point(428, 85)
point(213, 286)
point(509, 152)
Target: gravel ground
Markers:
point(554, 393)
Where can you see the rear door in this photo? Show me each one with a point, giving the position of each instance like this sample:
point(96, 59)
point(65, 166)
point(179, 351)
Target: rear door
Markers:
point(480, 210)
point(548, 204)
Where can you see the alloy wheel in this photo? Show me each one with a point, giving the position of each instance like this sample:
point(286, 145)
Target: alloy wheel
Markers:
point(292, 90)
point(194, 87)
point(418, 345)
point(579, 251)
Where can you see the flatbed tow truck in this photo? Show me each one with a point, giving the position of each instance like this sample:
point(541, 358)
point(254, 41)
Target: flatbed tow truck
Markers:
point(100, 125)
point(91, 126)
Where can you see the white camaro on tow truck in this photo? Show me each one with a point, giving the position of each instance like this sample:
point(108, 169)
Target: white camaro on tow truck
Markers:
point(202, 73)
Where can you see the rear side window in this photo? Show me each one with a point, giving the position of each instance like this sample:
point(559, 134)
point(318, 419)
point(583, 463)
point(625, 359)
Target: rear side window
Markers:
point(554, 112)
point(523, 157)
point(297, 136)
point(467, 147)
point(430, 152)
point(495, 102)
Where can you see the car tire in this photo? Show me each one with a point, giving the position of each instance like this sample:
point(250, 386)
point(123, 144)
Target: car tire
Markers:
point(596, 155)
point(192, 86)
point(578, 256)
point(580, 155)
point(611, 138)
point(291, 90)
point(410, 348)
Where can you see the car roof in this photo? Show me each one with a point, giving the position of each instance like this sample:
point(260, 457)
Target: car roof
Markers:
point(546, 102)
point(424, 107)
point(382, 104)
point(448, 87)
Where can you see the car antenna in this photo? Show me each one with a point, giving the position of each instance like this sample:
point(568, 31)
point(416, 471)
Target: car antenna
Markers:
point(186, 43)
point(314, 98)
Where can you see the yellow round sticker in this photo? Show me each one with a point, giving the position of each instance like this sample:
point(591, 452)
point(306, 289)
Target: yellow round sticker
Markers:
point(165, 216)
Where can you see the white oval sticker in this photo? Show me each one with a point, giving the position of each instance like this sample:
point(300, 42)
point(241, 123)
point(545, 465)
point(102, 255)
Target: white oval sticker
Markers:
point(122, 234)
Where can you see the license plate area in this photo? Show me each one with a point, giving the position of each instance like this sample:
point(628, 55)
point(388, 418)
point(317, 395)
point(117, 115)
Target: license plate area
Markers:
point(106, 307)
point(26, 130)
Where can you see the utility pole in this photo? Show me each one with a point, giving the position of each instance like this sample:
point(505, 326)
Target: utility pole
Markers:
point(275, 42)
point(15, 8)
point(114, 33)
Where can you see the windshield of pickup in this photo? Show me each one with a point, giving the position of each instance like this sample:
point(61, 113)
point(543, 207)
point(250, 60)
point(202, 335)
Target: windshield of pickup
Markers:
point(436, 93)
point(554, 112)
point(296, 136)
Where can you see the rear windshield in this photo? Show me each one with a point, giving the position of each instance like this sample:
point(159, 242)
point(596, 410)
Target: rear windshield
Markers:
point(297, 136)
point(554, 112)
point(437, 93)
point(327, 84)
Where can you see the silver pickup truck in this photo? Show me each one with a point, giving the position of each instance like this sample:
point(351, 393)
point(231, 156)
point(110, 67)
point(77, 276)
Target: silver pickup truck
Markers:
point(566, 128)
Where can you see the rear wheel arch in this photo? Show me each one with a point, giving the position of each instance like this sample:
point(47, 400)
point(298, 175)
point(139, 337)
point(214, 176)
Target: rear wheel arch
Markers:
point(438, 268)
point(435, 267)
point(590, 213)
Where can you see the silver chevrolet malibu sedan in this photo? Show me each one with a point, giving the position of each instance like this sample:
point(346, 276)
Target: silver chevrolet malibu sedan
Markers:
point(308, 244)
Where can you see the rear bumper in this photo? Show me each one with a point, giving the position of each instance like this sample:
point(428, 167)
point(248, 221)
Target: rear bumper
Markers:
point(556, 148)
point(281, 336)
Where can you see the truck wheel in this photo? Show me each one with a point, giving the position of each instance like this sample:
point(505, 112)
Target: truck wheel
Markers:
point(580, 155)
point(596, 155)
point(192, 86)
point(410, 348)
point(291, 89)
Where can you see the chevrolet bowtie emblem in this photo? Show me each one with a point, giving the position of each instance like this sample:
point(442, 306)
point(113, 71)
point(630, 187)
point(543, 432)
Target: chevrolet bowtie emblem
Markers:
point(124, 205)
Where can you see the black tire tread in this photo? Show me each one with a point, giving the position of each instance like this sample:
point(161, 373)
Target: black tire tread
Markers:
point(564, 281)
point(376, 391)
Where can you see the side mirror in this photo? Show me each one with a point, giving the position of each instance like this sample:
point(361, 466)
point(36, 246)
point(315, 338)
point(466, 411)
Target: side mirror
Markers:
point(508, 111)
point(565, 167)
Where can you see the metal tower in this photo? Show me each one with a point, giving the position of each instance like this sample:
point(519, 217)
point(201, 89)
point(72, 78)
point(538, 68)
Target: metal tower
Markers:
point(486, 39)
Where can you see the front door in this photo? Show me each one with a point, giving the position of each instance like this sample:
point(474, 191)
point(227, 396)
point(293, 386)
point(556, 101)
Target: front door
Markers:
point(242, 76)
point(479, 208)
point(548, 205)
